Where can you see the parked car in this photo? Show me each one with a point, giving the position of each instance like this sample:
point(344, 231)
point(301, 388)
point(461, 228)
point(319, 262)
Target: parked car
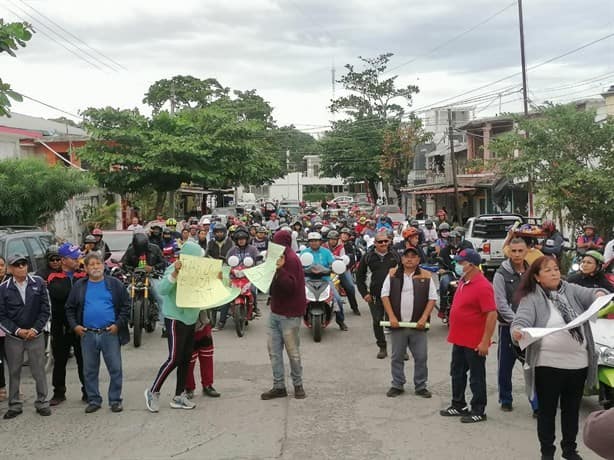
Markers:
point(342, 201)
point(31, 242)
point(118, 241)
point(487, 233)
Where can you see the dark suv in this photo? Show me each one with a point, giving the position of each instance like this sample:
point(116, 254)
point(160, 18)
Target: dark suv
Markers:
point(32, 242)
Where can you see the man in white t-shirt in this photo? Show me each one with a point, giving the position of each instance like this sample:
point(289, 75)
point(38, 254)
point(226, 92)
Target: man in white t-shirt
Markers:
point(409, 295)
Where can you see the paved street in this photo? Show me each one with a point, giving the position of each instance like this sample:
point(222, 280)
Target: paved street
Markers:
point(346, 413)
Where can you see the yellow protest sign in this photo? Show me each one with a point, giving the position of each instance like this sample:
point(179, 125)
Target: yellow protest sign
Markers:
point(262, 275)
point(198, 285)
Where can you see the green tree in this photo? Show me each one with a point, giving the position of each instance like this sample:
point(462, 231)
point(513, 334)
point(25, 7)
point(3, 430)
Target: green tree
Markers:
point(291, 146)
point(25, 186)
point(13, 35)
point(374, 108)
point(184, 91)
point(570, 158)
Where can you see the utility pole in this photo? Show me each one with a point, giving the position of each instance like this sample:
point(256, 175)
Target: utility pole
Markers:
point(457, 205)
point(525, 98)
point(171, 193)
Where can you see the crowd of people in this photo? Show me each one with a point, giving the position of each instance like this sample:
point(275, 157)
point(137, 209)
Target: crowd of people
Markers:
point(89, 310)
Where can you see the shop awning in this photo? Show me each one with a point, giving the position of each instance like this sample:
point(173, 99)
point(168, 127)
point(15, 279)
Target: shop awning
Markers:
point(440, 191)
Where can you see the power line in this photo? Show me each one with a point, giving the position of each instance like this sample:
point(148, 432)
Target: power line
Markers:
point(533, 67)
point(73, 35)
point(48, 105)
point(456, 37)
point(50, 37)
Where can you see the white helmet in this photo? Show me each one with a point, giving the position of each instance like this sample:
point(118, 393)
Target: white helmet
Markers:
point(314, 236)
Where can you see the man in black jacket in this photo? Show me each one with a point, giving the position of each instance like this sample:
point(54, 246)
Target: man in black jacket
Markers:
point(379, 261)
point(24, 311)
point(98, 310)
point(62, 336)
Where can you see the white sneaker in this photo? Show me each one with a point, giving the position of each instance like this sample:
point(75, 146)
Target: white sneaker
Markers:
point(152, 401)
point(182, 402)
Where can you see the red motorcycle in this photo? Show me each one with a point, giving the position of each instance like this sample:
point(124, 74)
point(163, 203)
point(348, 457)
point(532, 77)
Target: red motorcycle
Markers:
point(242, 307)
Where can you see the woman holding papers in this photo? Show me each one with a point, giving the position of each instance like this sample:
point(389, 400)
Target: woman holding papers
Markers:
point(560, 364)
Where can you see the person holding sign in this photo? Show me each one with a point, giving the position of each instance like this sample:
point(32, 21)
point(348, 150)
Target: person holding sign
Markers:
point(409, 294)
point(562, 364)
point(180, 324)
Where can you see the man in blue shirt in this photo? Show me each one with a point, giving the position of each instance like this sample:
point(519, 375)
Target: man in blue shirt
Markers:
point(325, 258)
point(98, 309)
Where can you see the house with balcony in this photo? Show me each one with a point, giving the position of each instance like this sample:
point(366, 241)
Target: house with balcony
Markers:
point(480, 187)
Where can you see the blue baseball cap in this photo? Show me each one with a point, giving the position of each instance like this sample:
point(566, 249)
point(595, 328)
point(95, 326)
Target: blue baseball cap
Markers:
point(70, 251)
point(469, 255)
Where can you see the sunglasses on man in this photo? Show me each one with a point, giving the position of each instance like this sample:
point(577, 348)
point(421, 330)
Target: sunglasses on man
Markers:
point(382, 241)
point(20, 263)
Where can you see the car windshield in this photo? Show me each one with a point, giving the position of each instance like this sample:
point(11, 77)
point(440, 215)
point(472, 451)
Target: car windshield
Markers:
point(118, 241)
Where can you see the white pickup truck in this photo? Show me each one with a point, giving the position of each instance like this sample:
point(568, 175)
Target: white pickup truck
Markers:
point(487, 233)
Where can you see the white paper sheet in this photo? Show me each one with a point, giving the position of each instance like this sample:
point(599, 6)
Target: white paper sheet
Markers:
point(533, 334)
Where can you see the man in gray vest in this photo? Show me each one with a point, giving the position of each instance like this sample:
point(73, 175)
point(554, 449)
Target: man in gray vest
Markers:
point(506, 281)
point(409, 295)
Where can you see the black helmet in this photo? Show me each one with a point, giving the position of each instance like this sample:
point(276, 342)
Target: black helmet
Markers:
point(261, 229)
point(333, 235)
point(444, 227)
point(90, 239)
point(140, 243)
point(240, 233)
point(219, 227)
point(428, 223)
point(345, 230)
point(414, 223)
point(52, 251)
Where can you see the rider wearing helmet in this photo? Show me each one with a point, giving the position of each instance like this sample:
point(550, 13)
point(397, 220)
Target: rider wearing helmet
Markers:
point(411, 239)
point(143, 254)
point(325, 258)
point(155, 235)
point(430, 233)
point(171, 224)
point(553, 244)
point(415, 224)
point(337, 247)
point(101, 246)
point(589, 239)
point(170, 248)
point(444, 234)
point(219, 246)
point(242, 249)
point(260, 241)
point(591, 273)
point(88, 244)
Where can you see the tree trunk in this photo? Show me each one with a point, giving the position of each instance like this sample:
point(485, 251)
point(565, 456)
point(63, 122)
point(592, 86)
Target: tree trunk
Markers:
point(160, 199)
point(372, 190)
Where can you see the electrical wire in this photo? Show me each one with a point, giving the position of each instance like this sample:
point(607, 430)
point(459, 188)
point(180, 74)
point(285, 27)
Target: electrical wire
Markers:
point(73, 35)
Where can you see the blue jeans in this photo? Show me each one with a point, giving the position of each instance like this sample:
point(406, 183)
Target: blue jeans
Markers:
point(284, 331)
point(339, 313)
point(92, 344)
point(507, 360)
point(350, 290)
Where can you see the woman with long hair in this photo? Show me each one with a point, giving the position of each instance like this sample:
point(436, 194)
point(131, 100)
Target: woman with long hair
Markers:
point(560, 365)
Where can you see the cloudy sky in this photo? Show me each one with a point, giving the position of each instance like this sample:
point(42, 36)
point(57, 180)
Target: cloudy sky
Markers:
point(285, 49)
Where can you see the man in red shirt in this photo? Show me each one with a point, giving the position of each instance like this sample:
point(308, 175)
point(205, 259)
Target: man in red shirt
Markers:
point(473, 318)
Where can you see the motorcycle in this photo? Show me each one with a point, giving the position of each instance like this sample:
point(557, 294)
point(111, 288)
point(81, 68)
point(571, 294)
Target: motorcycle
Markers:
point(242, 307)
point(603, 333)
point(444, 303)
point(320, 299)
point(144, 310)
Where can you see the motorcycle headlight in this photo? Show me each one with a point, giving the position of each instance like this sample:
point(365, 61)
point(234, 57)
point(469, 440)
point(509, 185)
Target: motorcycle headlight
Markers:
point(606, 355)
point(575, 267)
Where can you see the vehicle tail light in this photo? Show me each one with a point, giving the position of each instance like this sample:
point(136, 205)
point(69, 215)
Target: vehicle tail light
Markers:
point(486, 248)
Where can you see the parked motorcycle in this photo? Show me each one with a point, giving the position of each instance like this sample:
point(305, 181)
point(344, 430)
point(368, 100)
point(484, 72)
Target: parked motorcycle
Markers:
point(242, 307)
point(320, 299)
point(603, 333)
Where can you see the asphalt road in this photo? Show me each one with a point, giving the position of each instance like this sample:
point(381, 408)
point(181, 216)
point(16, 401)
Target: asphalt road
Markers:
point(346, 413)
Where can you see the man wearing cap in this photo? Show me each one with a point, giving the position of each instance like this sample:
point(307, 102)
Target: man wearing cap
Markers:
point(379, 261)
point(24, 311)
point(409, 295)
point(472, 322)
point(98, 310)
point(273, 223)
point(63, 337)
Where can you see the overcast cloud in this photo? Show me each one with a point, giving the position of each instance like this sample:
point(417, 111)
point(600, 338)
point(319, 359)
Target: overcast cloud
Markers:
point(285, 49)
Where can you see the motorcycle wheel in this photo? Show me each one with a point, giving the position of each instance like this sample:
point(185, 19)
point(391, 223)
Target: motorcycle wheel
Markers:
point(316, 327)
point(240, 318)
point(137, 320)
point(150, 315)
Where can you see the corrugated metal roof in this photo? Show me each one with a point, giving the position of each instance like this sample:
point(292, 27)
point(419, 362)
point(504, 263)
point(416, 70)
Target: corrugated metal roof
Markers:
point(42, 125)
